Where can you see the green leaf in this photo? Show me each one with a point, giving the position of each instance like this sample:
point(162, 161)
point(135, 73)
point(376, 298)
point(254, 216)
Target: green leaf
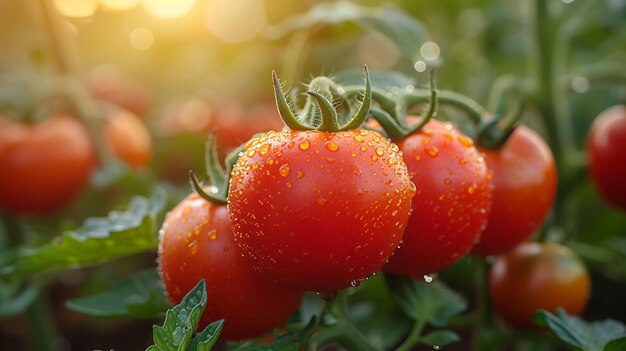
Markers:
point(433, 302)
point(290, 341)
point(616, 345)
point(440, 338)
point(119, 234)
point(405, 32)
point(205, 340)
point(181, 321)
point(576, 332)
point(15, 297)
point(139, 296)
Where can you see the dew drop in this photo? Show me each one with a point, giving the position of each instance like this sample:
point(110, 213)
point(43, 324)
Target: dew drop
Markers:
point(472, 188)
point(418, 157)
point(355, 283)
point(212, 234)
point(250, 152)
point(332, 146)
point(255, 166)
point(432, 151)
point(299, 174)
point(466, 141)
point(264, 149)
point(447, 181)
point(359, 138)
point(193, 247)
point(380, 151)
point(374, 158)
point(462, 161)
point(270, 161)
point(284, 169)
point(428, 278)
point(412, 189)
point(305, 145)
point(321, 201)
point(436, 347)
point(289, 185)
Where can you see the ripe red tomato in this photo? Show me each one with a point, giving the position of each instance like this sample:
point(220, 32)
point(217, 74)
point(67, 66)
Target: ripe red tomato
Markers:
point(524, 176)
point(449, 210)
point(318, 210)
point(606, 147)
point(537, 276)
point(196, 242)
point(128, 138)
point(44, 165)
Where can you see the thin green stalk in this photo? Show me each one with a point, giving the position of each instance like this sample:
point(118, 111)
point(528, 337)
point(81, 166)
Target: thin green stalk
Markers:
point(481, 304)
point(414, 336)
point(41, 329)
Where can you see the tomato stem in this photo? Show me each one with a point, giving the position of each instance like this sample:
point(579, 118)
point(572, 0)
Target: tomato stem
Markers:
point(471, 108)
point(414, 336)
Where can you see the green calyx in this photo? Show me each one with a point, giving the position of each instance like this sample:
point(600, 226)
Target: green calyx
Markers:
point(217, 175)
point(319, 113)
point(396, 128)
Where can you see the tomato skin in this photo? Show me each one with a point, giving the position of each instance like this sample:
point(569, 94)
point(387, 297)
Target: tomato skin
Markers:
point(44, 165)
point(128, 138)
point(538, 276)
point(317, 210)
point(606, 147)
point(449, 210)
point(196, 242)
point(525, 178)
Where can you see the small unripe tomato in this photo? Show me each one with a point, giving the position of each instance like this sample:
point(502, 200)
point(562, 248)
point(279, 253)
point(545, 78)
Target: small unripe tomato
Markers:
point(196, 242)
point(537, 276)
point(606, 149)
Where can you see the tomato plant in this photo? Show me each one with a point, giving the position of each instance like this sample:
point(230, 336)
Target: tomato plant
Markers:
point(524, 177)
point(44, 165)
point(128, 138)
point(606, 145)
point(452, 200)
point(295, 222)
point(197, 243)
point(537, 276)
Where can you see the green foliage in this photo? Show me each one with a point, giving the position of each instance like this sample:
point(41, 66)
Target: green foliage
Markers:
point(404, 31)
point(597, 336)
point(290, 341)
point(119, 234)
point(15, 297)
point(139, 296)
point(433, 302)
point(181, 321)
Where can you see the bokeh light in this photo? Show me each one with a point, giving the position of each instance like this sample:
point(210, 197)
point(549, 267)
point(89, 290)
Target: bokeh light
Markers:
point(430, 51)
point(235, 21)
point(169, 8)
point(76, 8)
point(420, 66)
point(120, 5)
point(141, 38)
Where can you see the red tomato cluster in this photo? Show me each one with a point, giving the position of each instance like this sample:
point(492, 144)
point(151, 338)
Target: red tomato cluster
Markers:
point(319, 210)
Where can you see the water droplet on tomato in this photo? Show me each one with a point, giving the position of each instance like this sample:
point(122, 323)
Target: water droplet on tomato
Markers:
point(466, 141)
point(212, 234)
point(304, 145)
point(299, 174)
point(432, 151)
point(250, 152)
point(264, 149)
point(355, 283)
point(321, 201)
point(332, 146)
point(374, 158)
point(428, 278)
point(359, 138)
point(472, 188)
point(462, 161)
point(284, 170)
point(380, 151)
